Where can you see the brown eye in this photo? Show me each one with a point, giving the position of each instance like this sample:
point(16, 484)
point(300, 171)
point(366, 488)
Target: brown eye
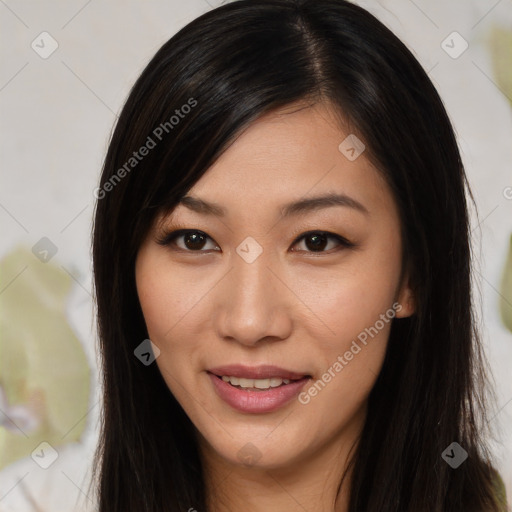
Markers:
point(317, 241)
point(192, 240)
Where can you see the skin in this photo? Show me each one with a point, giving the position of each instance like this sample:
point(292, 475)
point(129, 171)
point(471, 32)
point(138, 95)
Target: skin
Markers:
point(293, 307)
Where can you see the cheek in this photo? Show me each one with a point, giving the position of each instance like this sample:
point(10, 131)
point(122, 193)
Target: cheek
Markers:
point(355, 303)
point(358, 312)
point(155, 301)
point(172, 302)
point(351, 297)
point(162, 308)
point(166, 296)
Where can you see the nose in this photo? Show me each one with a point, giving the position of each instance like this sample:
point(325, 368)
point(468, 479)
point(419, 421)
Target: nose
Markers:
point(253, 304)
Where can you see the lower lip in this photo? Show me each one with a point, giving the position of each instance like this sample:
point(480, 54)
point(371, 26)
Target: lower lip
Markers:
point(257, 401)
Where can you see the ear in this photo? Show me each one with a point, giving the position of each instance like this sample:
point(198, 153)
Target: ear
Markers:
point(406, 299)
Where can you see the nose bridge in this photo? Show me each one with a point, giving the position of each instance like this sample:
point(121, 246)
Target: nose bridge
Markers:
point(254, 302)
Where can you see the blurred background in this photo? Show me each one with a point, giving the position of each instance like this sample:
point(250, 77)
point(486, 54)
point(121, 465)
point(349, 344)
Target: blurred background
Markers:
point(67, 67)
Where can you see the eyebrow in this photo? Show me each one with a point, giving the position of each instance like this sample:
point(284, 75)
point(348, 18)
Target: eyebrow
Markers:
point(299, 207)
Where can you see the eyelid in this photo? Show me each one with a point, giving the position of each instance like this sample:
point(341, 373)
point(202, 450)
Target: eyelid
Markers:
point(169, 236)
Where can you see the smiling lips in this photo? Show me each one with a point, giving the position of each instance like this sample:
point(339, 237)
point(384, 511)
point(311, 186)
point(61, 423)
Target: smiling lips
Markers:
point(256, 389)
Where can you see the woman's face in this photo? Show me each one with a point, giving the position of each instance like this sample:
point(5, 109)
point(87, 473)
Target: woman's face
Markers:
point(244, 288)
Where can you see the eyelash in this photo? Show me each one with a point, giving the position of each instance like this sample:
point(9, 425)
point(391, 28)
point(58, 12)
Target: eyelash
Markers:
point(169, 237)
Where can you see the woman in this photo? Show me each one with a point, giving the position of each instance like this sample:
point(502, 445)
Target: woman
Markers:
point(282, 274)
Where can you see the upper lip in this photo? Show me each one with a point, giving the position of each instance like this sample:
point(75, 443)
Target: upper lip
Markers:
point(256, 372)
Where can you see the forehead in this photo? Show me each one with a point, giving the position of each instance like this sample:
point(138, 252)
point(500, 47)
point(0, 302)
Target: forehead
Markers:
point(286, 155)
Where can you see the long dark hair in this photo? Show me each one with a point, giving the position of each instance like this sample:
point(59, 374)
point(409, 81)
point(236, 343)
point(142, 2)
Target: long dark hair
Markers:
point(202, 88)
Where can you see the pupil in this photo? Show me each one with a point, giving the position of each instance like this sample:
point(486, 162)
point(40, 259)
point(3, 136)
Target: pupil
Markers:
point(319, 242)
point(194, 240)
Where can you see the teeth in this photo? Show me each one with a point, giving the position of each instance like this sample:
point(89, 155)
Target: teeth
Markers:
point(273, 382)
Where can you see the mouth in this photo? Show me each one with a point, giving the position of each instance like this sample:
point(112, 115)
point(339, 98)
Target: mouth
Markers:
point(256, 389)
point(257, 372)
